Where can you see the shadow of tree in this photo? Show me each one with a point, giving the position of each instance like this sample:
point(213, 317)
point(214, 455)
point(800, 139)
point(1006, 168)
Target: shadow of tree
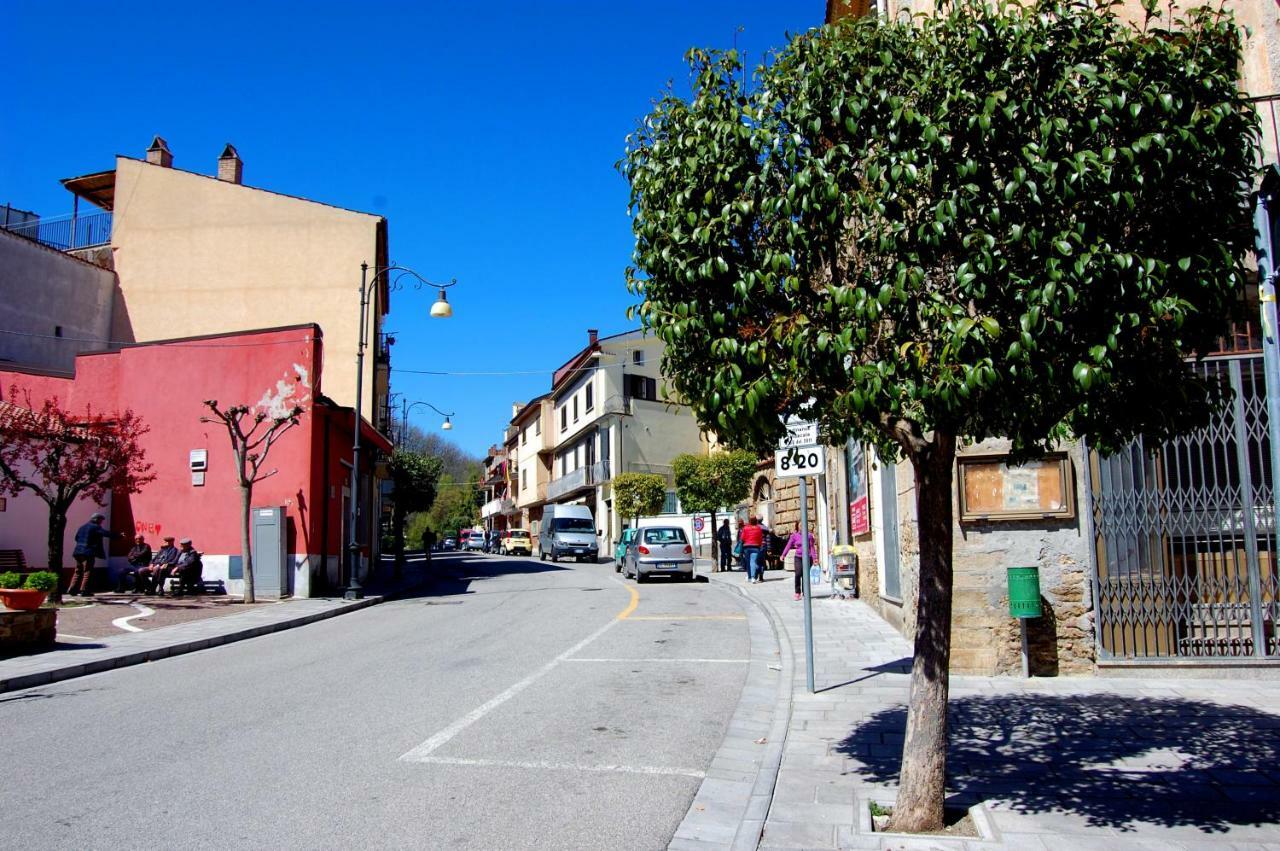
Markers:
point(1119, 762)
point(449, 575)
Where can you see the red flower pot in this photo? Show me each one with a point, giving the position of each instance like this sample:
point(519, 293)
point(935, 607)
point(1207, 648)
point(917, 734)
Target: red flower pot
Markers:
point(23, 599)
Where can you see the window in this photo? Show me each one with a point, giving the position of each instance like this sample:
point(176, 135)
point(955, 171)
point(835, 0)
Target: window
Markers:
point(537, 426)
point(641, 387)
point(563, 459)
point(665, 536)
point(575, 408)
point(524, 435)
point(524, 479)
point(670, 505)
point(590, 403)
point(564, 418)
point(637, 357)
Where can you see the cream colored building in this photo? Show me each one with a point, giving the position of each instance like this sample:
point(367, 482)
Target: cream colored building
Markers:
point(610, 415)
point(529, 434)
point(204, 254)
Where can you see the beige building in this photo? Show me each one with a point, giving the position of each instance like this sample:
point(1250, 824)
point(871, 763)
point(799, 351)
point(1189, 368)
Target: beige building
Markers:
point(529, 435)
point(202, 254)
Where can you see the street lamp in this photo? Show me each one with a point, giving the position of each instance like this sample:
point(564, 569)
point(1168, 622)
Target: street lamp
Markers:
point(406, 406)
point(353, 590)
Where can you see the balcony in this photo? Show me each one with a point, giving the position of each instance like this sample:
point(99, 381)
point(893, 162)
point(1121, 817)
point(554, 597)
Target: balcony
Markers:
point(580, 479)
point(64, 233)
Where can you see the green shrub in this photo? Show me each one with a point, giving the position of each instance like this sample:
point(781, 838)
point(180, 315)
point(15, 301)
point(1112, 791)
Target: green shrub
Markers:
point(42, 580)
point(9, 579)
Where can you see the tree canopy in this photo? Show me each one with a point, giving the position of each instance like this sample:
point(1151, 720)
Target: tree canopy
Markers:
point(711, 482)
point(639, 494)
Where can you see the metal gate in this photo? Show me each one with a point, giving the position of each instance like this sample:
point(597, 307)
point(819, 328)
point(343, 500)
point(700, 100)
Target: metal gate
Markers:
point(1185, 536)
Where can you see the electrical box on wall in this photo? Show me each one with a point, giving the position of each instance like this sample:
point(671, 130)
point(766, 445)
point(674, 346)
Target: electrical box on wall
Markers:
point(199, 462)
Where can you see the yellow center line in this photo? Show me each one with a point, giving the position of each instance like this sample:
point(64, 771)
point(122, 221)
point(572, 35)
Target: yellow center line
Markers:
point(631, 607)
point(689, 618)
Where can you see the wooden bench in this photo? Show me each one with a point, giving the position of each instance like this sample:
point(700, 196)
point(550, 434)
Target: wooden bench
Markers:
point(207, 586)
point(13, 560)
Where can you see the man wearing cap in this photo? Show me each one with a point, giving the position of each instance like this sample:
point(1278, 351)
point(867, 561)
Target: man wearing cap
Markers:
point(89, 538)
point(139, 559)
point(151, 579)
point(188, 568)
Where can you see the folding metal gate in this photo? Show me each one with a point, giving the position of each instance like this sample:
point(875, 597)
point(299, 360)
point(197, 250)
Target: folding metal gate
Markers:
point(1186, 537)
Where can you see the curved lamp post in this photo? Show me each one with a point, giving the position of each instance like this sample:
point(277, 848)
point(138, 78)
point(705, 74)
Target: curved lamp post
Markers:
point(406, 406)
point(394, 275)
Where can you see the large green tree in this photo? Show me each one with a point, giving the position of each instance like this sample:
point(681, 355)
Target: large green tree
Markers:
point(711, 482)
point(639, 495)
point(1013, 221)
point(414, 477)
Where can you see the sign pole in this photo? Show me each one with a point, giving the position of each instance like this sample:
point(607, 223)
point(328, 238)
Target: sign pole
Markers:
point(804, 581)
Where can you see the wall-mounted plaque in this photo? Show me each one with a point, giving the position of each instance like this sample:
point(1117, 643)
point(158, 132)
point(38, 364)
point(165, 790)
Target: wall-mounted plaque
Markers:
point(992, 489)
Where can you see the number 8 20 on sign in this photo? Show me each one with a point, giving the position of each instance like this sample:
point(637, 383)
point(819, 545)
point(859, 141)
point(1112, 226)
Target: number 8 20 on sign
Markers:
point(800, 461)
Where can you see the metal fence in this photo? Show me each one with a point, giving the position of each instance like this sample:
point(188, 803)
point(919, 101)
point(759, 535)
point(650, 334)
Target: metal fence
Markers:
point(65, 232)
point(1186, 536)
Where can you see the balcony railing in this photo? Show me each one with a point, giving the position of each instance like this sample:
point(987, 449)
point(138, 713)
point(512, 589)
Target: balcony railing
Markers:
point(583, 477)
point(65, 232)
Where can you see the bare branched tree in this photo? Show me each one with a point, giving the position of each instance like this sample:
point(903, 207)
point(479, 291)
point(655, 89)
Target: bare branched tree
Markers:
point(250, 444)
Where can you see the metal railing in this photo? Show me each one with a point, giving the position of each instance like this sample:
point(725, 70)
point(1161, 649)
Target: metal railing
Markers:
point(588, 476)
point(65, 232)
point(1268, 107)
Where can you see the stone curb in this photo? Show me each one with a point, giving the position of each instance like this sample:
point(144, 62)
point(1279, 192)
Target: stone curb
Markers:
point(731, 805)
point(125, 656)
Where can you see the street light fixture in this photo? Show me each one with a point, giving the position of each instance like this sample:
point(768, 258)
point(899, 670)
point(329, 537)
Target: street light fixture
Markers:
point(353, 590)
point(406, 406)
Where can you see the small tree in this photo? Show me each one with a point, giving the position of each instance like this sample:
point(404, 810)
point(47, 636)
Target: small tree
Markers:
point(711, 482)
point(1007, 220)
point(414, 477)
point(60, 456)
point(639, 494)
point(253, 431)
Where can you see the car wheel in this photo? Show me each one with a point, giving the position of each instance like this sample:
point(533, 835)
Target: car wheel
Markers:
point(555, 559)
point(639, 576)
point(617, 566)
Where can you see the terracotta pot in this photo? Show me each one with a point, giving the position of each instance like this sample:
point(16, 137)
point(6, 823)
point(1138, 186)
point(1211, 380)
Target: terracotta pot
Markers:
point(23, 599)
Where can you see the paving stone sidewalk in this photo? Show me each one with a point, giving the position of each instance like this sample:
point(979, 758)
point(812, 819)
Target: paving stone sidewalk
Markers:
point(1061, 763)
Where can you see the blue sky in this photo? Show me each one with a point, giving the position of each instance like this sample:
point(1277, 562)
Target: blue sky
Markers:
point(486, 133)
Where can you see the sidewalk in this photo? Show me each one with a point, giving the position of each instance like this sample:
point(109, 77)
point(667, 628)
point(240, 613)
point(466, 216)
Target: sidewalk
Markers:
point(1061, 763)
point(67, 660)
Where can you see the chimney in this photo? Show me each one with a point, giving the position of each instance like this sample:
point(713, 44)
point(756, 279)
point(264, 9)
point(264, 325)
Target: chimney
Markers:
point(592, 336)
point(158, 153)
point(230, 166)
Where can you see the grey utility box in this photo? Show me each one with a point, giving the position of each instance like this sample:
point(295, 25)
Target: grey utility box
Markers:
point(271, 572)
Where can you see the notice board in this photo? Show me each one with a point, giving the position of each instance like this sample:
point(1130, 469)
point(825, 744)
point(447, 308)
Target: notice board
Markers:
point(992, 489)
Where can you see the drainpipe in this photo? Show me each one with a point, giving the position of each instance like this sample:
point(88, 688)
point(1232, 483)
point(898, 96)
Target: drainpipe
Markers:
point(1264, 237)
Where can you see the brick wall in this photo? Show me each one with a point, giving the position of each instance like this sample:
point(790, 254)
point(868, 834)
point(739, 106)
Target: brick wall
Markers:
point(21, 632)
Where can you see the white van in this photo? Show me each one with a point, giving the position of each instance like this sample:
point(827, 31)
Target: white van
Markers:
point(568, 531)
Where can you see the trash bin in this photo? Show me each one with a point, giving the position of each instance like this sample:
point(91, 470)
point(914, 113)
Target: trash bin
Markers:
point(844, 577)
point(1024, 592)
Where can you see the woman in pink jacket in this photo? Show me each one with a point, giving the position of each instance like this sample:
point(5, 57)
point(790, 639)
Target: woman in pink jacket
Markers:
point(796, 542)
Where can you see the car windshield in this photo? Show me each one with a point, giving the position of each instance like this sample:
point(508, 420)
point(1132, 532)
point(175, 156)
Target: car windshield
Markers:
point(664, 536)
point(519, 534)
point(574, 524)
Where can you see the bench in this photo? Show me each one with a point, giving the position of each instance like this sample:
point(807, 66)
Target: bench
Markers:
point(13, 560)
point(207, 586)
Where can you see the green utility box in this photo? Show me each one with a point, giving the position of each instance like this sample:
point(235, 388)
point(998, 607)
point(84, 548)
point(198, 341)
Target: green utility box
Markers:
point(1024, 592)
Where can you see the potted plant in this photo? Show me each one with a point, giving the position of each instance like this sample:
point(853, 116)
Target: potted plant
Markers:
point(31, 594)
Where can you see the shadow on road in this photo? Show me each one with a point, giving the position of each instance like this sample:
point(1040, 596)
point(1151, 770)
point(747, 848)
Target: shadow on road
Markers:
point(452, 574)
point(1119, 762)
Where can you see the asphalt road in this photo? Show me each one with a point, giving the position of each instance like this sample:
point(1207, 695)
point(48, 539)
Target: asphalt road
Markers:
point(516, 704)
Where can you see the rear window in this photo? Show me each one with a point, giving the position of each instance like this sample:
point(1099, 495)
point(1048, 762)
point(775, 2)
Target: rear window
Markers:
point(520, 534)
point(664, 536)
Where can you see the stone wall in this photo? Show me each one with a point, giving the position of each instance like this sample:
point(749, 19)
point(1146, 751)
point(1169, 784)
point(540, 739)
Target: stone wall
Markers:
point(22, 632)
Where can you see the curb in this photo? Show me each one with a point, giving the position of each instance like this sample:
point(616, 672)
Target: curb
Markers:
point(138, 657)
point(705, 824)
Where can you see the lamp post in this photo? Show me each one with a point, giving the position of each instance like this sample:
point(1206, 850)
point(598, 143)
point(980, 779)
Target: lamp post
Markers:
point(406, 406)
point(441, 310)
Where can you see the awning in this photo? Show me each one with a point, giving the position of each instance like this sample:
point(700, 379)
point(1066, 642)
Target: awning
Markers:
point(98, 188)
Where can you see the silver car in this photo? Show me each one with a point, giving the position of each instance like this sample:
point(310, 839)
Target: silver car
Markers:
point(658, 550)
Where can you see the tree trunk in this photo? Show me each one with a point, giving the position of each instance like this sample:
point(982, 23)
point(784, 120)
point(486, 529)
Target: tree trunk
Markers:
point(923, 778)
point(57, 531)
point(246, 552)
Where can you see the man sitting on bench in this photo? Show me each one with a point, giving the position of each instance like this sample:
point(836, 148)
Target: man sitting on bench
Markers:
point(188, 571)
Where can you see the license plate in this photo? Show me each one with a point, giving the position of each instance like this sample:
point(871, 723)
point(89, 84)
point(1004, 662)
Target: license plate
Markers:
point(667, 565)
point(579, 550)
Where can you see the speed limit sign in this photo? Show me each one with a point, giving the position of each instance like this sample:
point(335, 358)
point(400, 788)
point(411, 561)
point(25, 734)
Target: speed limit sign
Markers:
point(800, 461)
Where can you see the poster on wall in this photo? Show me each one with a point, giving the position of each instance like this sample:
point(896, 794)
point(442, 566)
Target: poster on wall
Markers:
point(856, 466)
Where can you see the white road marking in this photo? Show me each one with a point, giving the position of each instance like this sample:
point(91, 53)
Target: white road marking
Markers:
point(123, 623)
point(556, 766)
point(654, 659)
point(439, 739)
point(77, 637)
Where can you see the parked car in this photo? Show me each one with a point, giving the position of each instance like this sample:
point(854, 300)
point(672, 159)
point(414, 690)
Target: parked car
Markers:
point(568, 530)
point(620, 551)
point(474, 542)
point(449, 544)
point(516, 542)
point(659, 550)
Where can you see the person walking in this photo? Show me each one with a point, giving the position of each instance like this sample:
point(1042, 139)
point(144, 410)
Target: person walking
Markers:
point(89, 538)
point(752, 540)
point(724, 542)
point(796, 542)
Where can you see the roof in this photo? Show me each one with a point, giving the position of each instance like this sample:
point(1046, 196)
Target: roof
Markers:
point(529, 407)
point(16, 415)
point(98, 188)
point(575, 363)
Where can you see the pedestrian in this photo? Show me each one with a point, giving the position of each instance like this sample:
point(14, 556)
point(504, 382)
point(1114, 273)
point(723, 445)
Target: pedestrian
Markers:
point(796, 542)
point(89, 538)
point(738, 555)
point(752, 540)
point(188, 568)
point(724, 543)
point(139, 559)
point(151, 579)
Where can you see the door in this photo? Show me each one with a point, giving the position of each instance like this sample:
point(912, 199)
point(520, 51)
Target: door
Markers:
point(270, 574)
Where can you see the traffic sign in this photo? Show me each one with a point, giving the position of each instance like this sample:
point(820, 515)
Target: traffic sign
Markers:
point(799, 434)
point(699, 524)
point(800, 461)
